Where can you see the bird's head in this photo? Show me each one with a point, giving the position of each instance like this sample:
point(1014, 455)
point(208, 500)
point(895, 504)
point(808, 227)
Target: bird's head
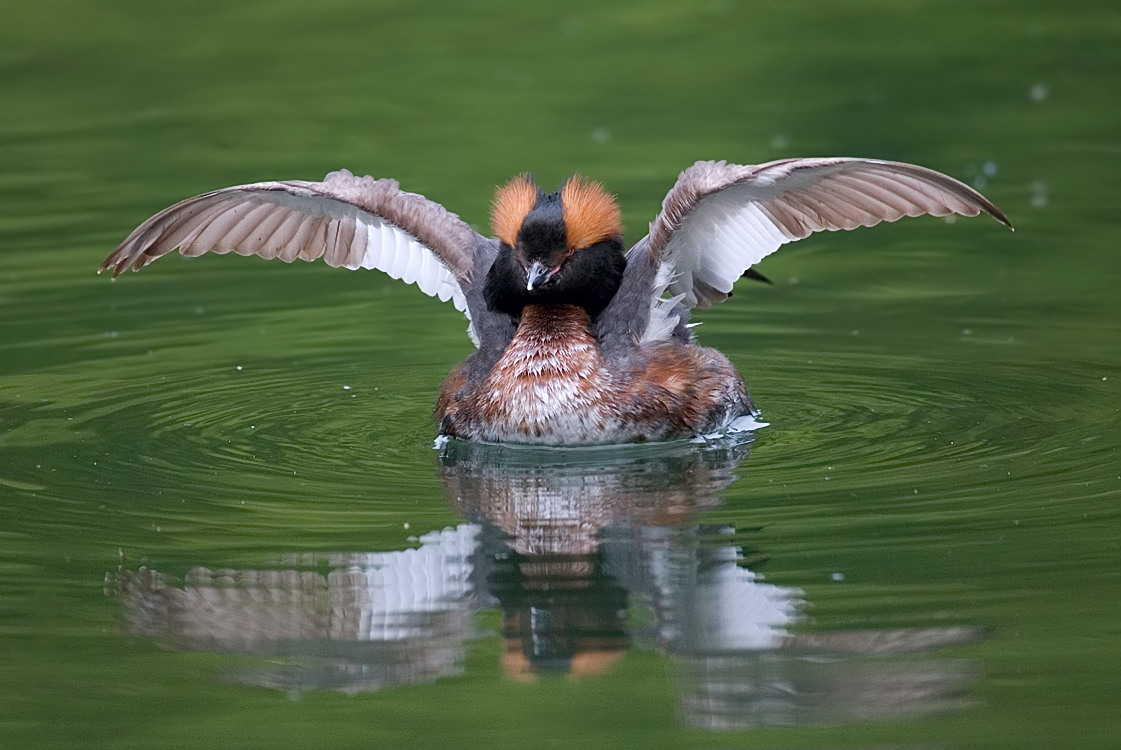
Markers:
point(546, 231)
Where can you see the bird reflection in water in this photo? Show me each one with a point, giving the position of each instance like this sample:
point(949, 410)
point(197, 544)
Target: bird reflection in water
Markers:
point(588, 553)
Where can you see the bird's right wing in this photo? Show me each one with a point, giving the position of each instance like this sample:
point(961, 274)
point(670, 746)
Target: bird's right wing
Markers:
point(350, 222)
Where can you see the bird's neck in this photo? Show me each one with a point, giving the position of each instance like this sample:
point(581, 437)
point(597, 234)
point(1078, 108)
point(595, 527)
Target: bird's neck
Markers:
point(555, 325)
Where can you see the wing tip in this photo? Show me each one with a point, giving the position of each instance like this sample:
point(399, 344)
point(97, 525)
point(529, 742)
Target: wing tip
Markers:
point(751, 273)
point(117, 261)
point(992, 210)
point(110, 262)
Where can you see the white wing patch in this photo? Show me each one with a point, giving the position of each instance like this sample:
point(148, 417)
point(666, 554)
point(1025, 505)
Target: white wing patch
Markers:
point(734, 234)
point(663, 320)
point(398, 254)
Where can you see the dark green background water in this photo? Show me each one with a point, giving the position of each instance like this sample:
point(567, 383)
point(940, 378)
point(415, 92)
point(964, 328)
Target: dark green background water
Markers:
point(944, 446)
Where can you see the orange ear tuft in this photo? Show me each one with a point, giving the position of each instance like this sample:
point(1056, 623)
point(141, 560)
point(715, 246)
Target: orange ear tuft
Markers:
point(590, 213)
point(511, 203)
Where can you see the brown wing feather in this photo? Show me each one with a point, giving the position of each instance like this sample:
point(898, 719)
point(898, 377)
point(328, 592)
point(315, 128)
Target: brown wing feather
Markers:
point(297, 219)
point(755, 209)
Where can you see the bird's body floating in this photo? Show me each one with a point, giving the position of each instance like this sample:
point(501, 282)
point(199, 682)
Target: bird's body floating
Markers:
point(578, 342)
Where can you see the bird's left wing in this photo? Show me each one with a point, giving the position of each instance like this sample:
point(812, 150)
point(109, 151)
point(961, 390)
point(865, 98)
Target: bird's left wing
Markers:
point(350, 222)
point(721, 218)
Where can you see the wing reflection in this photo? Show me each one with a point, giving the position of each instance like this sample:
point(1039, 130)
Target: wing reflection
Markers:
point(371, 621)
point(586, 553)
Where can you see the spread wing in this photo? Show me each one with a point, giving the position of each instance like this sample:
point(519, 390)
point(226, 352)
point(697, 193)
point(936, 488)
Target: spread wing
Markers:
point(720, 219)
point(348, 221)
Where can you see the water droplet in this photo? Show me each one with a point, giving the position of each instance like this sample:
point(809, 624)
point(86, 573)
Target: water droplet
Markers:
point(1040, 196)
